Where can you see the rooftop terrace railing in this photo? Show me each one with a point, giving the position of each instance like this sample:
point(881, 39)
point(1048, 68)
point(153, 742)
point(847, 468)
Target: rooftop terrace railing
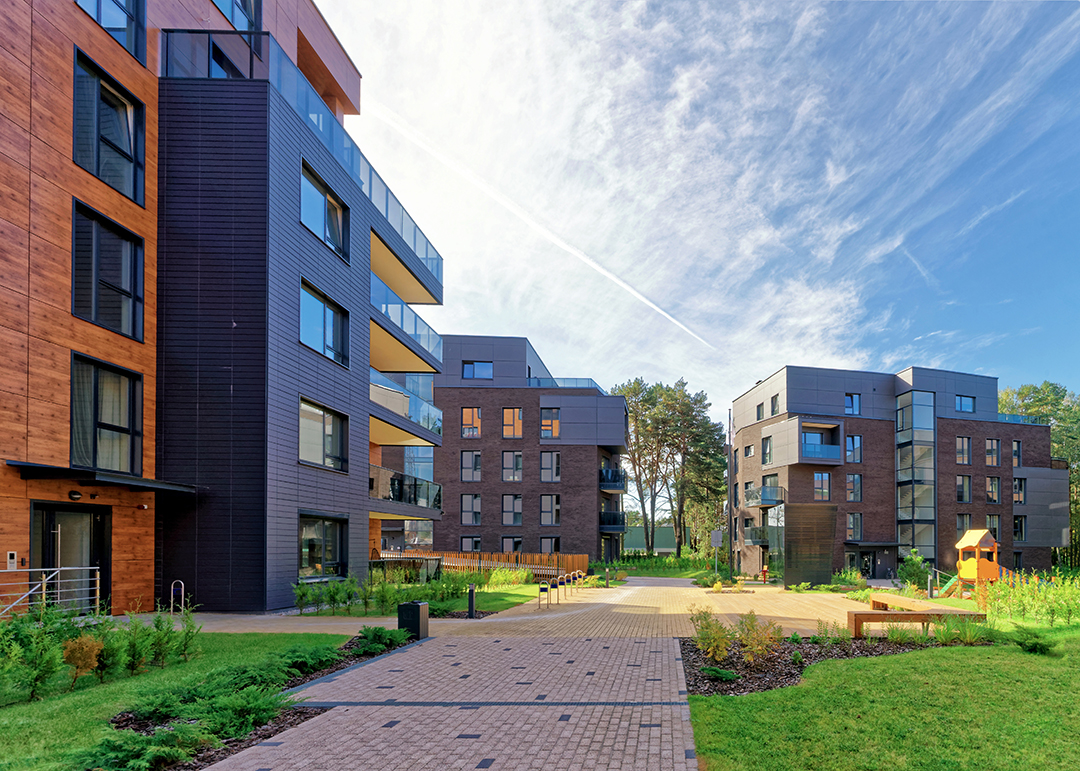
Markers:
point(565, 382)
point(257, 56)
point(1031, 420)
point(396, 309)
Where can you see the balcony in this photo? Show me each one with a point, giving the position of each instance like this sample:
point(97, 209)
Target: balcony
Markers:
point(385, 484)
point(1030, 420)
point(826, 452)
point(565, 382)
point(393, 396)
point(404, 317)
point(766, 496)
point(757, 536)
point(613, 480)
point(257, 56)
point(612, 521)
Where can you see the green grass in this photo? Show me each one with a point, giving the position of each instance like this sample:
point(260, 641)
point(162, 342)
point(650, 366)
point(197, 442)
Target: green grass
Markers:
point(492, 600)
point(940, 709)
point(39, 736)
point(667, 572)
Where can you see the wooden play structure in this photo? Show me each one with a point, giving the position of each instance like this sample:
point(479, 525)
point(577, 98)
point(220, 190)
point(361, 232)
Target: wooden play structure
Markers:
point(978, 558)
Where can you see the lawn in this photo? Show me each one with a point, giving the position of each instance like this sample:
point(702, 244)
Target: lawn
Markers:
point(940, 709)
point(38, 736)
point(492, 600)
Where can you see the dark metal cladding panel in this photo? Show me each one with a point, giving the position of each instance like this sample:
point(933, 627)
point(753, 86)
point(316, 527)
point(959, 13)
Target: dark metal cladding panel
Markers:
point(808, 539)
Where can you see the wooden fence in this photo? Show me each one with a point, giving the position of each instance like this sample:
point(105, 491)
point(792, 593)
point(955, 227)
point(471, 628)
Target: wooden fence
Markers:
point(542, 565)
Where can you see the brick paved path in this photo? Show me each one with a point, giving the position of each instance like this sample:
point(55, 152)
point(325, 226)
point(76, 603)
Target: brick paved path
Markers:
point(595, 682)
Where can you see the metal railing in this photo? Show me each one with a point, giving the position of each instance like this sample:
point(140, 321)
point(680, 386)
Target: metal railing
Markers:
point(766, 495)
point(74, 589)
point(1031, 420)
point(612, 479)
point(757, 535)
point(398, 311)
point(565, 382)
point(386, 484)
point(612, 521)
point(396, 398)
point(257, 56)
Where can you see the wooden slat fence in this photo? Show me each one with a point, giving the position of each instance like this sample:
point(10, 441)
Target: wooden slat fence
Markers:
point(542, 565)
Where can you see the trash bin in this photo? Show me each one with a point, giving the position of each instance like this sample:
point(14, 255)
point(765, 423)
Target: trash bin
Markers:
point(413, 616)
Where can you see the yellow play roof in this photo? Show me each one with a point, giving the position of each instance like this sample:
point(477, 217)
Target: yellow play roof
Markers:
point(976, 539)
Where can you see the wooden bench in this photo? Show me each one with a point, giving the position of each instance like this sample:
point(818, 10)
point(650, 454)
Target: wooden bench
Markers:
point(892, 608)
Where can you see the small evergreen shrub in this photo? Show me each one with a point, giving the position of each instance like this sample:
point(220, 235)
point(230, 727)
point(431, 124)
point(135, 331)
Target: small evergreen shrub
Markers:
point(301, 596)
point(163, 639)
point(1031, 641)
point(136, 637)
point(81, 654)
point(758, 638)
point(137, 752)
point(715, 673)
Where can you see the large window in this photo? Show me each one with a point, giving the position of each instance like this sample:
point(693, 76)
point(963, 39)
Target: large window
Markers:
point(1019, 528)
point(963, 450)
point(324, 325)
point(963, 488)
point(854, 487)
point(108, 124)
point(549, 423)
point(470, 422)
point(965, 403)
point(106, 273)
point(106, 419)
point(512, 418)
point(470, 543)
point(123, 19)
point(993, 489)
point(511, 543)
point(320, 547)
point(551, 466)
point(993, 452)
point(240, 13)
point(511, 510)
point(511, 466)
point(852, 404)
point(322, 212)
point(993, 524)
point(550, 509)
point(477, 370)
point(821, 486)
point(470, 466)
point(470, 509)
point(1019, 492)
point(549, 545)
point(1018, 454)
point(766, 450)
point(854, 526)
point(322, 436)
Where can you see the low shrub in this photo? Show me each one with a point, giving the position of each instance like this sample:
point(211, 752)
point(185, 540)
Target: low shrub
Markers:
point(1031, 641)
point(797, 659)
point(795, 638)
point(800, 588)
point(758, 638)
point(163, 639)
point(335, 593)
point(715, 673)
point(81, 654)
point(231, 715)
point(136, 639)
point(971, 632)
point(138, 752)
point(38, 656)
point(186, 645)
point(305, 659)
point(849, 577)
point(376, 639)
point(301, 596)
point(711, 636)
point(840, 635)
point(112, 658)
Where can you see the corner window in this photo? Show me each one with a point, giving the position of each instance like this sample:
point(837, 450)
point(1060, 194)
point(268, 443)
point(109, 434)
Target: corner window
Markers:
point(852, 404)
point(470, 466)
point(322, 436)
point(853, 449)
point(476, 370)
point(760, 411)
point(993, 489)
point(322, 212)
point(774, 405)
point(551, 467)
point(1018, 455)
point(470, 509)
point(963, 488)
point(1020, 528)
point(766, 450)
point(1019, 492)
point(511, 466)
point(470, 422)
point(963, 450)
point(324, 325)
point(240, 13)
point(470, 543)
point(854, 527)
point(511, 543)
point(854, 487)
point(512, 419)
point(993, 452)
point(106, 273)
point(549, 423)
point(106, 420)
point(550, 509)
point(963, 524)
point(549, 545)
point(511, 510)
point(108, 123)
point(821, 487)
point(320, 548)
point(993, 524)
point(965, 403)
point(123, 19)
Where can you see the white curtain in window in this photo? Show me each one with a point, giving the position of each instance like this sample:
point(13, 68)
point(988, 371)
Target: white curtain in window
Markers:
point(82, 414)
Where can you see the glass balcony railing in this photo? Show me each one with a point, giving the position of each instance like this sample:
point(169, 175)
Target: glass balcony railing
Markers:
point(397, 399)
point(395, 309)
point(757, 536)
point(612, 479)
point(565, 382)
point(821, 451)
point(765, 496)
point(612, 521)
point(386, 484)
point(257, 56)
point(1031, 420)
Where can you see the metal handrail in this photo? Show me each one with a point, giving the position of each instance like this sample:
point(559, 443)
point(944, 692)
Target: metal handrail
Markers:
point(42, 587)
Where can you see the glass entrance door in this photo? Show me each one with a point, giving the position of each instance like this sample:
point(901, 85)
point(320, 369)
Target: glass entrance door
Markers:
point(73, 540)
point(868, 562)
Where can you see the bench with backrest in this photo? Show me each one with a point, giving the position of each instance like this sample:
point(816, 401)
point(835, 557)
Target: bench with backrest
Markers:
point(892, 608)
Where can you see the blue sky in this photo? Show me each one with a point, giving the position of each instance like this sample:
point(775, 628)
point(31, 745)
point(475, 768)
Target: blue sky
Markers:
point(713, 190)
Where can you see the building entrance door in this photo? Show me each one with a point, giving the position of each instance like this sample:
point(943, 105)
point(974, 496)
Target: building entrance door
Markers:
point(868, 564)
point(75, 539)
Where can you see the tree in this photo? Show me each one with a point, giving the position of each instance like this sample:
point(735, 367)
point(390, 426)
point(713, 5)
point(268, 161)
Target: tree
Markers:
point(642, 450)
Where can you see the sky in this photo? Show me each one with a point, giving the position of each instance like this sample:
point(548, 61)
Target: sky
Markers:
point(713, 190)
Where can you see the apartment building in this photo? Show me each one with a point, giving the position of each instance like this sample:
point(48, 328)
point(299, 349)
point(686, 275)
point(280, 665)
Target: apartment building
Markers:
point(206, 304)
point(528, 463)
point(834, 468)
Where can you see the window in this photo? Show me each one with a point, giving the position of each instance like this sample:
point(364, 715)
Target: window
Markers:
point(1020, 528)
point(852, 404)
point(512, 422)
point(963, 450)
point(240, 13)
point(735, 455)
point(476, 370)
point(511, 509)
point(854, 487)
point(760, 411)
point(470, 509)
point(511, 466)
point(470, 422)
point(993, 452)
point(748, 487)
point(853, 449)
point(106, 273)
point(324, 326)
point(322, 213)
point(123, 19)
point(551, 467)
point(1019, 489)
point(821, 486)
point(1018, 459)
point(963, 488)
point(854, 527)
point(735, 495)
point(549, 509)
point(748, 451)
point(993, 524)
point(511, 543)
point(322, 436)
point(470, 466)
point(549, 423)
point(774, 405)
point(965, 403)
point(993, 489)
point(963, 524)
point(549, 545)
point(766, 450)
point(1018, 560)
point(106, 417)
point(813, 437)
point(108, 125)
point(470, 543)
point(770, 480)
point(320, 547)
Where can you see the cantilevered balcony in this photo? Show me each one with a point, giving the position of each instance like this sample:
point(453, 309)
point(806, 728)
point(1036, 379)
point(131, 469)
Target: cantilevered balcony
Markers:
point(820, 453)
point(764, 497)
point(612, 480)
point(757, 536)
point(387, 484)
point(401, 401)
point(612, 521)
point(394, 308)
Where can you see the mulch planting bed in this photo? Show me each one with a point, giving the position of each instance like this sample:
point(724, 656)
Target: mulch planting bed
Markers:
point(465, 614)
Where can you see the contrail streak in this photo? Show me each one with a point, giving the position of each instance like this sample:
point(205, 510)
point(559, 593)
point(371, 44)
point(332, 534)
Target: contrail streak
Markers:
point(395, 121)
